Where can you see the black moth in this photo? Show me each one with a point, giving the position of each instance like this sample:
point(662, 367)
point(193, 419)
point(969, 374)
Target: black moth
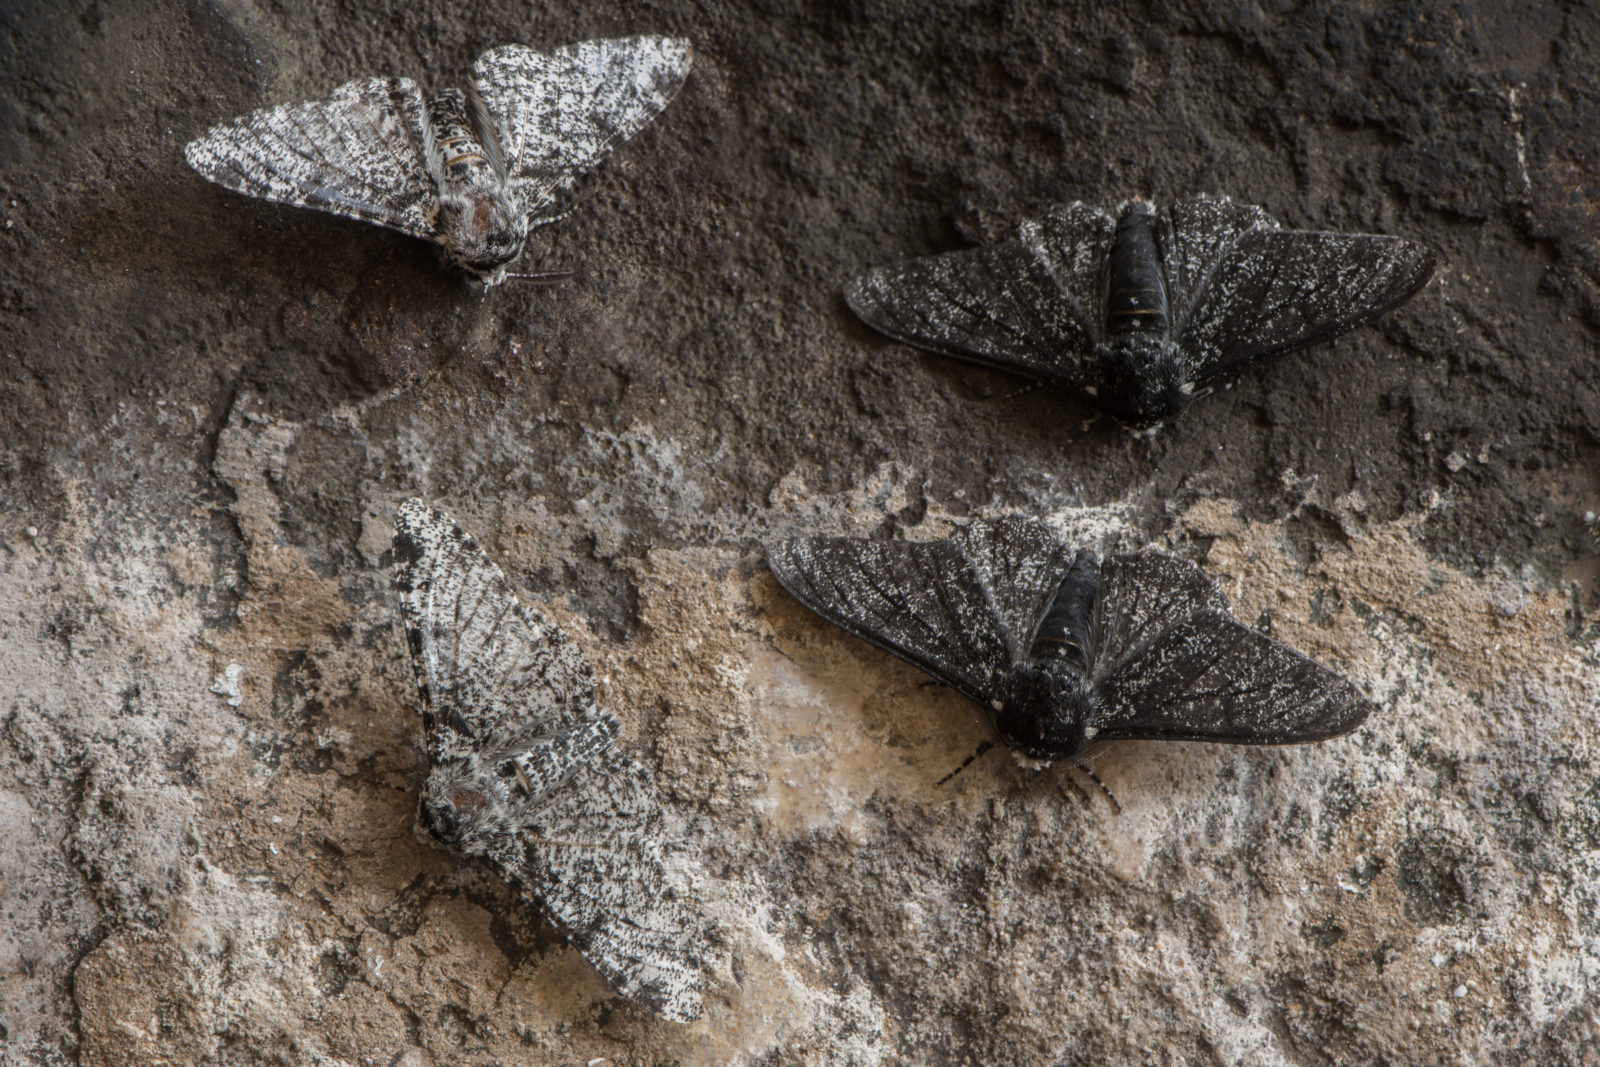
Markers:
point(1065, 651)
point(1145, 311)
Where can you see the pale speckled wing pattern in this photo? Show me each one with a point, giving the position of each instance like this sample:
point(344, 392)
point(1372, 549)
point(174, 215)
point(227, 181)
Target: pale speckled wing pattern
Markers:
point(1278, 290)
point(559, 113)
point(360, 153)
point(919, 600)
point(484, 661)
point(508, 698)
point(590, 855)
point(1169, 661)
point(1032, 304)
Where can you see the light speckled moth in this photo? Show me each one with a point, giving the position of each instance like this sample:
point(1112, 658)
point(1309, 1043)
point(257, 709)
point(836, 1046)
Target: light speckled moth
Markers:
point(473, 170)
point(524, 772)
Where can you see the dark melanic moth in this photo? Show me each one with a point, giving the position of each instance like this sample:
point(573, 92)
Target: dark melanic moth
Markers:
point(473, 170)
point(524, 771)
point(1145, 311)
point(1068, 653)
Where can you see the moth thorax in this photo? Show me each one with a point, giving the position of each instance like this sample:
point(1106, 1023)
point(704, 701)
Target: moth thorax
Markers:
point(1045, 711)
point(1142, 378)
point(481, 229)
point(460, 807)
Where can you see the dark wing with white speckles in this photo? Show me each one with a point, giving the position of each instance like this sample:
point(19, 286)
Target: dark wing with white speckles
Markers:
point(589, 855)
point(963, 610)
point(1196, 236)
point(918, 600)
point(1020, 563)
point(1141, 594)
point(559, 113)
point(360, 153)
point(1034, 304)
point(1171, 663)
point(1267, 291)
point(485, 663)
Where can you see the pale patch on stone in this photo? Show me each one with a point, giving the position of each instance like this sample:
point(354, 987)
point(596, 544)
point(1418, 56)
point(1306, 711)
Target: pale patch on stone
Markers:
point(229, 685)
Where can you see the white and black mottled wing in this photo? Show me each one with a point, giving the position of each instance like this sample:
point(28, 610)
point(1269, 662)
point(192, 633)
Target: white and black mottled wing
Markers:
point(483, 661)
point(963, 610)
point(585, 842)
point(1034, 304)
point(559, 113)
point(1268, 291)
point(360, 153)
point(590, 856)
point(1171, 663)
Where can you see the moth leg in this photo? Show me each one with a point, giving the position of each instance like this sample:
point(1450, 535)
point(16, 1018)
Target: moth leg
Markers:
point(982, 748)
point(1095, 778)
point(1088, 754)
point(535, 767)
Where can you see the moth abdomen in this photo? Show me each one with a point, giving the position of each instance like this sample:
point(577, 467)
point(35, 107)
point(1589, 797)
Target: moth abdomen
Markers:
point(538, 766)
point(1136, 292)
point(463, 145)
point(1063, 632)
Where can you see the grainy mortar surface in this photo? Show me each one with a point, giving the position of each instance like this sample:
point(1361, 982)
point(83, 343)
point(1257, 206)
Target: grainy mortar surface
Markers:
point(209, 408)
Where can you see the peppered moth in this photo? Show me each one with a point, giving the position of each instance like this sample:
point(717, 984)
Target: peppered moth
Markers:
point(1145, 311)
point(524, 770)
point(1066, 651)
point(471, 170)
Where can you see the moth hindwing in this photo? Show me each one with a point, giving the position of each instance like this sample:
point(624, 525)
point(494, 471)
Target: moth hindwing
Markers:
point(471, 170)
point(524, 772)
point(1065, 651)
point(1145, 311)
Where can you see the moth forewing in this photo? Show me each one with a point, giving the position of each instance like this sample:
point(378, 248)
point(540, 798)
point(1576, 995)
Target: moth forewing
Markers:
point(524, 772)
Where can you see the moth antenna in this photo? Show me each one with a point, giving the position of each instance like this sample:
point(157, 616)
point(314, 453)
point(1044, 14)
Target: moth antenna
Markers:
point(1095, 778)
point(547, 277)
point(983, 747)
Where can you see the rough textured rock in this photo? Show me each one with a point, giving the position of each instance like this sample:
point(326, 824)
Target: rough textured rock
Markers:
point(209, 408)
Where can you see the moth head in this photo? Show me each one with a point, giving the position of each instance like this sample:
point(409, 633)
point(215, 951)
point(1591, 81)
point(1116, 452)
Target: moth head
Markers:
point(460, 807)
point(481, 230)
point(1044, 713)
point(1143, 378)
